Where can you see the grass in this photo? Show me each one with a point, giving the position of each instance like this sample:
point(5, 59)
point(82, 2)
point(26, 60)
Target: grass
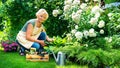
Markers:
point(14, 60)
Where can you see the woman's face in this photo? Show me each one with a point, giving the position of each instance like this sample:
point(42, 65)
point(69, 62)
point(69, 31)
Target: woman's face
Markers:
point(41, 17)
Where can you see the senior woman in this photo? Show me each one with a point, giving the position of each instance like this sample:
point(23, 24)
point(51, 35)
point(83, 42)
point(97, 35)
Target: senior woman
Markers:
point(33, 33)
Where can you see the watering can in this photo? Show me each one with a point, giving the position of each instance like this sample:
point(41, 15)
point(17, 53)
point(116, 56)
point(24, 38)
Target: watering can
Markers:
point(60, 59)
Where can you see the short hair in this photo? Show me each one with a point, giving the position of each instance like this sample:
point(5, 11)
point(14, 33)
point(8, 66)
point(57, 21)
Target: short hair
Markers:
point(41, 11)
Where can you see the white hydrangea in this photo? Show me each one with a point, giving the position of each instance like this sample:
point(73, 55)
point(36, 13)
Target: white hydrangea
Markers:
point(76, 26)
point(96, 9)
point(66, 8)
point(79, 11)
point(101, 31)
point(73, 31)
point(91, 30)
point(101, 24)
point(55, 13)
point(92, 33)
point(86, 0)
point(110, 14)
point(68, 2)
point(85, 33)
point(79, 35)
point(83, 6)
point(93, 21)
point(97, 15)
point(76, 2)
point(75, 17)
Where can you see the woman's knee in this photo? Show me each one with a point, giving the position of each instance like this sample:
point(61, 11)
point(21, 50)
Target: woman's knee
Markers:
point(42, 36)
point(36, 45)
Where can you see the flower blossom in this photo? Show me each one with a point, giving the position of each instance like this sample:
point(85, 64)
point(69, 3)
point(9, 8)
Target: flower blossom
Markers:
point(101, 31)
point(92, 33)
point(96, 9)
point(79, 11)
point(86, 0)
point(75, 17)
point(66, 8)
point(68, 2)
point(76, 2)
point(55, 13)
point(85, 33)
point(79, 35)
point(73, 31)
point(97, 15)
point(93, 21)
point(101, 24)
point(110, 14)
point(83, 6)
point(76, 26)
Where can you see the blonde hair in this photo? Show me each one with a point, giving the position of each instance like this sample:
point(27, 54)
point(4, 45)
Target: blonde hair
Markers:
point(42, 11)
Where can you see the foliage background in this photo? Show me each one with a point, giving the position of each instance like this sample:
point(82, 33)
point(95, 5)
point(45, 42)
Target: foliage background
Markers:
point(14, 14)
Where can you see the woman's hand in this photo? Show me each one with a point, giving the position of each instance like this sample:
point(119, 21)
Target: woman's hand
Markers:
point(50, 40)
point(42, 42)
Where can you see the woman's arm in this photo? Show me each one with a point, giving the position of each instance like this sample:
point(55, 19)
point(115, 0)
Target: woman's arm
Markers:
point(29, 35)
point(49, 39)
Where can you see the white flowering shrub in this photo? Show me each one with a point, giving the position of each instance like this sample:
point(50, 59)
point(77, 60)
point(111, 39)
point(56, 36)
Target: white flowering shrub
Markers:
point(94, 34)
point(88, 23)
point(84, 20)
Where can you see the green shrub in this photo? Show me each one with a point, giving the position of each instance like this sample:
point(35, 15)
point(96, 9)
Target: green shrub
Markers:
point(110, 1)
point(55, 25)
point(15, 13)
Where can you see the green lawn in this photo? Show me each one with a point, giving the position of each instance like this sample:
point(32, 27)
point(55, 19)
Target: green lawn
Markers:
point(14, 60)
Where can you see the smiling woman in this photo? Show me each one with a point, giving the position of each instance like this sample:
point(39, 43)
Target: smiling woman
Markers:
point(33, 33)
